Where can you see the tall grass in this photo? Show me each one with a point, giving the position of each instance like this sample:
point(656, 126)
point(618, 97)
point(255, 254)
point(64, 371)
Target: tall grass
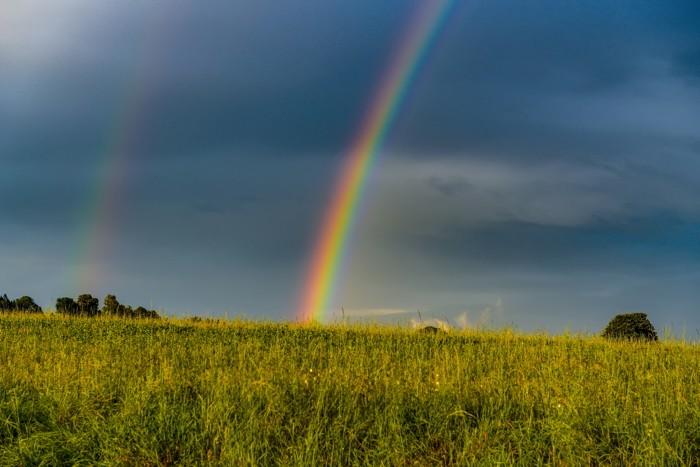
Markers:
point(118, 392)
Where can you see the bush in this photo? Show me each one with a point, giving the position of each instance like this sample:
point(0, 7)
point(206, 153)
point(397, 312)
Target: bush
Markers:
point(431, 330)
point(6, 304)
point(142, 312)
point(22, 305)
point(26, 304)
point(88, 305)
point(631, 326)
point(67, 306)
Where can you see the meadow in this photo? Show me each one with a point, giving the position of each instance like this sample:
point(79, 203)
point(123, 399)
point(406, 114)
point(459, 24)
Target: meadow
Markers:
point(77, 391)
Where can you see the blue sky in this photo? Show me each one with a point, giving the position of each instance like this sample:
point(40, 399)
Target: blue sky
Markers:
point(544, 171)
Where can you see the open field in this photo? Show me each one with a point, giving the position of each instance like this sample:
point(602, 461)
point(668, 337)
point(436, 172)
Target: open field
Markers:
point(118, 392)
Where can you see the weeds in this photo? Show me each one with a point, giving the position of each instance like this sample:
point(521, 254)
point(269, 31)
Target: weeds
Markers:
point(117, 392)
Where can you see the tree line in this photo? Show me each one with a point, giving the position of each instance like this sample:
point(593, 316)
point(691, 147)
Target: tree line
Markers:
point(23, 304)
point(86, 305)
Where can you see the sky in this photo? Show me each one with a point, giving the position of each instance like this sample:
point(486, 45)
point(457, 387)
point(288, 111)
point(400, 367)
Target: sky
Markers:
point(543, 171)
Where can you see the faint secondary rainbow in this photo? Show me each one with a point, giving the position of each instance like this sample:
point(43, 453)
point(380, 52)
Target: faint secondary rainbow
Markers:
point(102, 213)
point(125, 136)
point(330, 250)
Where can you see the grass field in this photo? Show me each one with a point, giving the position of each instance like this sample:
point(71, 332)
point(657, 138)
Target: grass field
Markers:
point(171, 392)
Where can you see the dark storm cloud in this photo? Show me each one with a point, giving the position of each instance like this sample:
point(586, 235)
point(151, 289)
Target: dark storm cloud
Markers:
point(686, 33)
point(253, 210)
point(535, 81)
point(638, 244)
point(450, 186)
point(687, 64)
point(227, 76)
point(540, 139)
point(203, 85)
point(222, 75)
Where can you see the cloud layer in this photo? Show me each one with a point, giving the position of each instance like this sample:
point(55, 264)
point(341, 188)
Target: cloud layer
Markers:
point(546, 156)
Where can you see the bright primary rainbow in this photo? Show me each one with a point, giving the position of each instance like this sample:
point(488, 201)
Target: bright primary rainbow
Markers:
point(330, 249)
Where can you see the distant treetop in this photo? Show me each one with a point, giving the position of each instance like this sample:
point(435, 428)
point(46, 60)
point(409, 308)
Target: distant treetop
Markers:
point(87, 305)
point(631, 326)
point(23, 304)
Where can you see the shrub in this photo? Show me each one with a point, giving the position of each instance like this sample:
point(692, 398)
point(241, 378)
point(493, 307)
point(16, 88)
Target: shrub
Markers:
point(6, 304)
point(88, 305)
point(26, 304)
point(111, 306)
point(23, 305)
point(431, 330)
point(142, 312)
point(67, 306)
point(630, 326)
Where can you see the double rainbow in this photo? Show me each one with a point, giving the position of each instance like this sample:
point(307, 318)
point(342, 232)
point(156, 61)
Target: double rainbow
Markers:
point(331, 247)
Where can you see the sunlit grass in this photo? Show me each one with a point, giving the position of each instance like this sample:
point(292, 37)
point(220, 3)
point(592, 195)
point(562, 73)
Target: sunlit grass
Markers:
point(119, 392)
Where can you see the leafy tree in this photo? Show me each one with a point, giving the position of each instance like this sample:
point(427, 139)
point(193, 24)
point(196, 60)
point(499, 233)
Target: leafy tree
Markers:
point(27, 305)
point(110, 306)
point(631, 326)
point(142, 312)
point(5, 303)
point(126, 311)
point(88, 305)
point(67, 306)
point(152, 314)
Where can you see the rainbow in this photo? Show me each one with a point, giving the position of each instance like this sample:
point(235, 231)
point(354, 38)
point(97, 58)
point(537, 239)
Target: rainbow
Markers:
point(103, 209)
point(330, 250)
point(124, 136)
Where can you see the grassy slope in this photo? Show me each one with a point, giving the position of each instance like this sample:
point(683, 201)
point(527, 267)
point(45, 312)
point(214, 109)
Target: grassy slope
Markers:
point(80, 391)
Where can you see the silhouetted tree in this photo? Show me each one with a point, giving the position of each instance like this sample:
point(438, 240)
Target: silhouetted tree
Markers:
point(88, 305)
point(111, 307)
point(431, 330)
point(630, 326)
point(126, 311)
point(142, 312)
point(67, 306)
point(27, 305)
point(5, 303)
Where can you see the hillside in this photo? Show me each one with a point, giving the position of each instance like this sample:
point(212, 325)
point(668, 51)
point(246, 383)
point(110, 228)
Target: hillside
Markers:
point(120, 392)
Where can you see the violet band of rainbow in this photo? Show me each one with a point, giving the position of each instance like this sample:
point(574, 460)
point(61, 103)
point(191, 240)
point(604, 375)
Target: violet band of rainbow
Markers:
point(330, 251)
point(125, 135)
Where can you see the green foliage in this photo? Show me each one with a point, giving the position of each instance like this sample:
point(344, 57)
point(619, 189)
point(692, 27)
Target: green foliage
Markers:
point(5, 303)
point(109, 391)
point(126, 311)
point(67, 306)
point(430, 330)
point(88, 305)
point(23, 304)
point(144, 313)
point(631, 326)
point(26, 304)
point(111, 307)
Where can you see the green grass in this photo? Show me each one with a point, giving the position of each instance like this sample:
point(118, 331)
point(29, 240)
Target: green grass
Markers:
point(117, 392)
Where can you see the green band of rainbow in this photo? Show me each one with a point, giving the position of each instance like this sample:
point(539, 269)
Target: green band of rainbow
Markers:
point(125, 134)
point(330, 250)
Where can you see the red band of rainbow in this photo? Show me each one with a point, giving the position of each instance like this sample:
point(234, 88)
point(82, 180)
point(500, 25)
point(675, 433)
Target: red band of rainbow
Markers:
point(329, 253)
point(124, 137)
